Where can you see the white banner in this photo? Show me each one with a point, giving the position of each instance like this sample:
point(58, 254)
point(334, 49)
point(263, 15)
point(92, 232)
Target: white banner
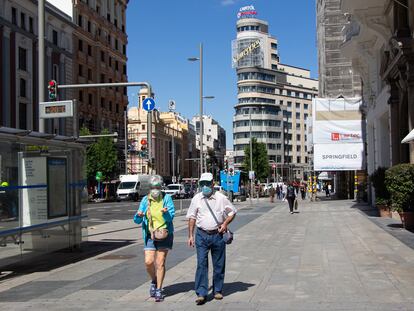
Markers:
point(337, 121)
point(338, 157)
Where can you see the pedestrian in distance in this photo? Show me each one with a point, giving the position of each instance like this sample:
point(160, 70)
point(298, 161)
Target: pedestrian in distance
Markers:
point(211, 212)
point(278, 192)
point(272, 193)
point(303, 191)
point(291, 196)
point(156, 213)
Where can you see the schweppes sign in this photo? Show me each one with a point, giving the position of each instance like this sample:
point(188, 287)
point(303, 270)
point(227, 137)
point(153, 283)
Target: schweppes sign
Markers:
point(253, 46)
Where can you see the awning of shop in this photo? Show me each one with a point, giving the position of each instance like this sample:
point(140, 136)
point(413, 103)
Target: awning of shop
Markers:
point(408, 138)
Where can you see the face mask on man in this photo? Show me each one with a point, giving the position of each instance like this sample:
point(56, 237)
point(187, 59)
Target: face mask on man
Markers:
point(207, 191)
point(155, 193)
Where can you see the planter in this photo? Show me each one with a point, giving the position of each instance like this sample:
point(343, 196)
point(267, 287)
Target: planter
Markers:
point(384, 210)
point(407, 219)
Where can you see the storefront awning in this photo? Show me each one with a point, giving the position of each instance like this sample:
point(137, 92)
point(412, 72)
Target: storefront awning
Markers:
point(408, 138)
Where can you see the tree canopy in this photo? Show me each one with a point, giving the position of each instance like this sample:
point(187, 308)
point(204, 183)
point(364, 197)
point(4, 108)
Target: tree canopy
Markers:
point(260, 160)
point(101, 156)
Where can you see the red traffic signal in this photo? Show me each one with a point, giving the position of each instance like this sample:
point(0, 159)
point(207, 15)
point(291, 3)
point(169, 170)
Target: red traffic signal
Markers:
point(143, 141)
point(52, 88)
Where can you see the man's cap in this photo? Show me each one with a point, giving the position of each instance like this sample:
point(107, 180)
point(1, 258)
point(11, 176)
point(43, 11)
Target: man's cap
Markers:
point(206, 177)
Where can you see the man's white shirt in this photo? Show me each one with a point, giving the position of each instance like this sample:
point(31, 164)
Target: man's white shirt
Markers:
point(219, 204)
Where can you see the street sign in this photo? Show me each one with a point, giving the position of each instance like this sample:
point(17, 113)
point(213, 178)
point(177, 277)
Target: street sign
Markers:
point(56, 109)
point(98, 176)
point(148, 104)
point(171, 105)
point(251, 175)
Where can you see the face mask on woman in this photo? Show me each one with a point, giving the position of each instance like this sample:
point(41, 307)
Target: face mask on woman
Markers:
point(155, 193)
point(207, 191)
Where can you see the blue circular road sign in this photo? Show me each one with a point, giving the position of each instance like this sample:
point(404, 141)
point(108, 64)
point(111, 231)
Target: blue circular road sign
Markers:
point(148, 104)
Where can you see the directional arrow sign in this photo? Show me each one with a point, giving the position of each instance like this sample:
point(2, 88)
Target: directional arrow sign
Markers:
point(148, 104)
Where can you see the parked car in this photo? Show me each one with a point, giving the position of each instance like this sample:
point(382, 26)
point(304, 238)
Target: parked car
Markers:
point(176, 191)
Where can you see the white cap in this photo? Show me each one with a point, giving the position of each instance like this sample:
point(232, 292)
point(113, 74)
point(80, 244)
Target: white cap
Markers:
point(206, 177)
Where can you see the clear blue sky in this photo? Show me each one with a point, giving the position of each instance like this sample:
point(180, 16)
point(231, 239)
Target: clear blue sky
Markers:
point(162, 34)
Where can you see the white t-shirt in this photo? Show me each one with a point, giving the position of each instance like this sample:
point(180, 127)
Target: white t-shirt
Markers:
point(199, 211)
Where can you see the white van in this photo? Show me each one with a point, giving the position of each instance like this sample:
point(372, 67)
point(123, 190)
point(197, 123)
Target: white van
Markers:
point(132, 187)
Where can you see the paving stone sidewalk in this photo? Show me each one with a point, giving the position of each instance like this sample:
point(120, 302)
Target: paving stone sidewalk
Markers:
point(327, 256)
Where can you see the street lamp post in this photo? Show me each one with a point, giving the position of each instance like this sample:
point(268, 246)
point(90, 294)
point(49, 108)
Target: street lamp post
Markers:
point(200, 59)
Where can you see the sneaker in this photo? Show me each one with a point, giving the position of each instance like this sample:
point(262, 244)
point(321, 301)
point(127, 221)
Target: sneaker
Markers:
point(152, 289)
point(291, 212)
point(200, 300)
point(218, 296)
point(158, 295)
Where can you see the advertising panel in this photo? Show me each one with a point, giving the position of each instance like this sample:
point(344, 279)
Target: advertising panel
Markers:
point(247, 52)
point(338, 157)
point(34, 194)
point(336, 121)
point(337, 134)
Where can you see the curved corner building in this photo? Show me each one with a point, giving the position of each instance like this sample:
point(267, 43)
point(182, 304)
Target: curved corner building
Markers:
point(278, 96)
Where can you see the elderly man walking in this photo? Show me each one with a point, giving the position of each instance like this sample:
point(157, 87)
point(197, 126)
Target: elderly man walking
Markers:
point(209, 235)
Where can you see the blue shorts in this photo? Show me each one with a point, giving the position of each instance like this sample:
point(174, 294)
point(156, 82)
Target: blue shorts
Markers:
point(166, 244)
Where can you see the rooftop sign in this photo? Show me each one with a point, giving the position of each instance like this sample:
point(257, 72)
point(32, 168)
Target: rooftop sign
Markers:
point(247, 12)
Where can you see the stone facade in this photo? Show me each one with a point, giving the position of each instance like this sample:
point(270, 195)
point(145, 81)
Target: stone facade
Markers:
point(19, 63)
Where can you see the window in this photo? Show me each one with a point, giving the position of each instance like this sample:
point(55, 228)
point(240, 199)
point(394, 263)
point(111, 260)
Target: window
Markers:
point(289, 104)
point(108, 17)
point(273, 46)
point(80, 45)
point(80, 70)
point(89, 50)
point(98, 9)
point(80, 20)
point(89, 26)
point(102, 102)
point(89, 74)
point(116, 44)
point(305, 106)
point(124, 49)
point(297, 115)
point(124, 69)
point(143, 127)
point(31, 24)
point(22, 59)
point(109, 39)
point(22, 87)
point(102, 56)
point(110, 81)
point(23, 20)
point(14, 16)
point(23, 116)
point(102, 78)
point(297, 105)
point(90, 99)
point(274, 67)
point(80, 96)
point(116, 65)
point(110, 105)
point(305, 116)
point(116, 22)
point(297, 159)
point(55, 37)
point(298, 137)
point(298, 148)
point(123, 28)
point(110, 61)
point(117, 108)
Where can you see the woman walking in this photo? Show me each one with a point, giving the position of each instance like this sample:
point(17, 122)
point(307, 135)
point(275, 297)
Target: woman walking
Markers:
point(156, 213)
point(290, 196)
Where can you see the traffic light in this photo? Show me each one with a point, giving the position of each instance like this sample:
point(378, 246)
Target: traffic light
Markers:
point(52, 88)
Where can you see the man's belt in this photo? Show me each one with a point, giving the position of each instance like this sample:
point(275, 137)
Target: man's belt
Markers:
point(210, 232)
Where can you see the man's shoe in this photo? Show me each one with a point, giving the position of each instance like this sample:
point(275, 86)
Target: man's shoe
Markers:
point(218, 296)
point(158, 295)
point(200, 300)
point(152, 289)
point(291, 212)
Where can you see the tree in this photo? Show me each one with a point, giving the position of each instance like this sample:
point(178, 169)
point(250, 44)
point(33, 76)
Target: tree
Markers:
point(100, 156)
point(260, 160)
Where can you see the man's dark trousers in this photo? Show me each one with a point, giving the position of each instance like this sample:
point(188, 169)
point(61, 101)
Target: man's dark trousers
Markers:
point(205, 242)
